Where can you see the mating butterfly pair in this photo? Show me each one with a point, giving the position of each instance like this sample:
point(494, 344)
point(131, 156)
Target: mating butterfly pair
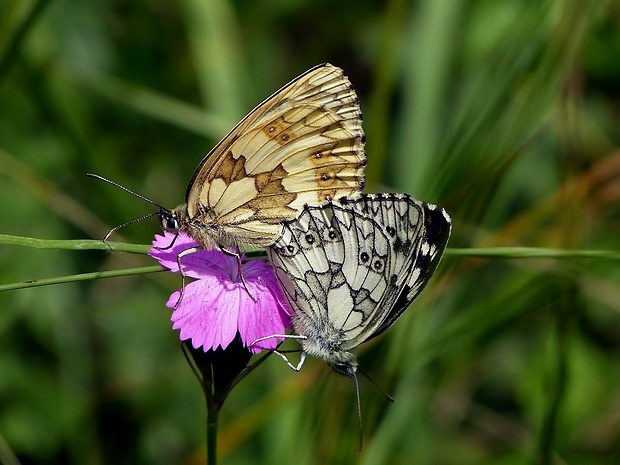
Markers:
point(288, 177)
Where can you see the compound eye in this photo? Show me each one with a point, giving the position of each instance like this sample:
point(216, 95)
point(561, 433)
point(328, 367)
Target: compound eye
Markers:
point(169, 223)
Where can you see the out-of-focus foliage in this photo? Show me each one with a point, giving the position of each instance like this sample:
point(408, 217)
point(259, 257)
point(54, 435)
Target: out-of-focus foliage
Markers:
point(507, 112)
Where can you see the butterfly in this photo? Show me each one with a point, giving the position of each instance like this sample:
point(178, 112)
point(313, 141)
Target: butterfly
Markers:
point(302, 145)
point(351, 267)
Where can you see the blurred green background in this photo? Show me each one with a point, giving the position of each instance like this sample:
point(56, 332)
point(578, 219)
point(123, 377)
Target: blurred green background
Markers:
point(507, 112)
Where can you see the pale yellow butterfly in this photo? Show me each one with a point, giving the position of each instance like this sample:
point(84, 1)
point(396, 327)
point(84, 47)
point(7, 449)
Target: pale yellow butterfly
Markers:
point(304, 145)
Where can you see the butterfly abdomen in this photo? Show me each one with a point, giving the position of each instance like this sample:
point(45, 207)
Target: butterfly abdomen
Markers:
point(323, 340)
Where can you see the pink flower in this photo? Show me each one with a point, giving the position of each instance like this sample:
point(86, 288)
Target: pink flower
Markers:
point(217, 306)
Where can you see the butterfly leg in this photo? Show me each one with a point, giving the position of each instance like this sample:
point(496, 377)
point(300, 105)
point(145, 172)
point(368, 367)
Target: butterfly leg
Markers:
point(302, 359)
point(169, 246)
point(239, 269)
point(183, 275)
point(284, 357)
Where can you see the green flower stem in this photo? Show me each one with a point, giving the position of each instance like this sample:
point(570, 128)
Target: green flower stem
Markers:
point(532, 252)
point(490, 252)
point(79, 244)
point(81, 277)
point(213, 412)
point(89, 244)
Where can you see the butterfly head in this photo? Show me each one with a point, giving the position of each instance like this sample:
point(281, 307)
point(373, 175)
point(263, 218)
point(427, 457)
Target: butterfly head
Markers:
point(346, 368)
point(170, 220)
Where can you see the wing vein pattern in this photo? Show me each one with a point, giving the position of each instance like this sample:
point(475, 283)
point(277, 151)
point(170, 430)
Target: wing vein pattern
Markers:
point(352, 266)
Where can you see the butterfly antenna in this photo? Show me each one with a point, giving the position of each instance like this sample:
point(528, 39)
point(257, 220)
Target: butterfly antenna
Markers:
point(101, 178)
point(390, 398)
point(116, 228)
point(359, 411)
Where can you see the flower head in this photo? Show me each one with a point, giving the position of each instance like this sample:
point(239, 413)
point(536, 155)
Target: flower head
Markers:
point(217, 305)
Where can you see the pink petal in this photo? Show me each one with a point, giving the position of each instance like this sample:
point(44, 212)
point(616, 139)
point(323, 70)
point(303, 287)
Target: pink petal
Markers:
point(197, 263)
point(217, 305)
point(267, 316)
point(206, 314)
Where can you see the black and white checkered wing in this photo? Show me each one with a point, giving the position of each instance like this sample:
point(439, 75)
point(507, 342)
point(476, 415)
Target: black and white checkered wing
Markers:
point(419, 233)
point(351, 267)
point(331, 262)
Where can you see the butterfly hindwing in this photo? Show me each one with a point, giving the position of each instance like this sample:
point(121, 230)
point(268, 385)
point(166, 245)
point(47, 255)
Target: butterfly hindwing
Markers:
point(331, 263)
point(418, 233)
point(351, 267)
point(303, 145)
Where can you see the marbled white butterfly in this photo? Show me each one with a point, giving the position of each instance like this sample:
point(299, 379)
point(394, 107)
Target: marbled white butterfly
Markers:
point(351, 267)
point(303, 145)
